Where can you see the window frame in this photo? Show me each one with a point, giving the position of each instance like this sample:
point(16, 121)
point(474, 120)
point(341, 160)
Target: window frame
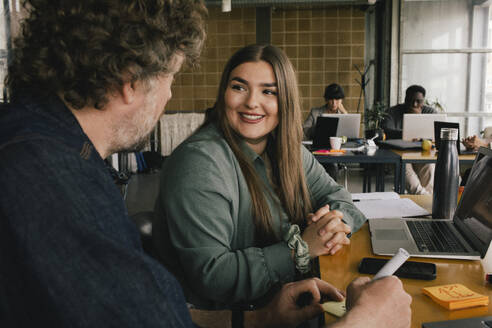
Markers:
point(466, 114)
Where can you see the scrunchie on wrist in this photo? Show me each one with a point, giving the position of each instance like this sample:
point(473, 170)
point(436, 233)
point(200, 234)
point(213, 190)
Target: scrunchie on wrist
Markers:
point(300, 247)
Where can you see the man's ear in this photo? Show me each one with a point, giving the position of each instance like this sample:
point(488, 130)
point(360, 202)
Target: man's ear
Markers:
point(128, 92)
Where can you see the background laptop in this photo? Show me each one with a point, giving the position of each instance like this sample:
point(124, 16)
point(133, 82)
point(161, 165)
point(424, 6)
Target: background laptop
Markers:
point(326, 127)
point(348, 124)
point(469, 233)
point(420, 126)
point(438, 125)
point(400, 144)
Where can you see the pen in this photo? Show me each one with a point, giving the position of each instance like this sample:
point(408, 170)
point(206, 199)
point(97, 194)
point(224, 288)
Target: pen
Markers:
point(388, 269)
point(392, 265)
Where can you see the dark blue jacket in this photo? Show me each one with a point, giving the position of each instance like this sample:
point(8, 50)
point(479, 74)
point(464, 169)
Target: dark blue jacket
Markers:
point(69, 254)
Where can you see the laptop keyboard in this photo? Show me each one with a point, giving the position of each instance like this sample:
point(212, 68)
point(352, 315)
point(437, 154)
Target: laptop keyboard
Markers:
point(434, 236)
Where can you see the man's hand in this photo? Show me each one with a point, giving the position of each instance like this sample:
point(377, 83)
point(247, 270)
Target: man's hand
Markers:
point(282, 311)
point(474, 143)
point(380, 304)
point(331, 230)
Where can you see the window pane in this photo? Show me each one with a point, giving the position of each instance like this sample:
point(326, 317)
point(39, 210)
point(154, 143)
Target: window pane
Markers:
point(444, 24)
point(444, 76)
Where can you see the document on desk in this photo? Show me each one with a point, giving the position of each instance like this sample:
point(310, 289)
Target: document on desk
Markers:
point(374, 196)
point(390, 208)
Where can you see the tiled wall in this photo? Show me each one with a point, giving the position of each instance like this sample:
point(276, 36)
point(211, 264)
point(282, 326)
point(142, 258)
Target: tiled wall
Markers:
point(196, 90)
point(324, 44)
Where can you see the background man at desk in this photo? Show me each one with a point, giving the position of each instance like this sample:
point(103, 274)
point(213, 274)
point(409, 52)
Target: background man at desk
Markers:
point(419, 177)
point(90, 78)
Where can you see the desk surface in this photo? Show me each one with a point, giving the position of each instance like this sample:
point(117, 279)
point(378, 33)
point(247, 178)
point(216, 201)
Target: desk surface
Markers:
point(341, 269)
point(409, 155)
point(379, 156)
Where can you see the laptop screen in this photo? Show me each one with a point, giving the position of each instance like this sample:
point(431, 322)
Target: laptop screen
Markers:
point(420, 126)
point(474, 213)
point(326, 127)
point(348, 124)
point(438, 125)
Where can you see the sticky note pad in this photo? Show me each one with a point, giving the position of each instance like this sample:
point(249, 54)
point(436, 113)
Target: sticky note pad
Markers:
point(336, 308)
point(455, 296)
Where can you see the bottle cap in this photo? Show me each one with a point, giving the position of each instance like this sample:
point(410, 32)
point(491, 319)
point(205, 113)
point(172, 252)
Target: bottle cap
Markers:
point(449, 134)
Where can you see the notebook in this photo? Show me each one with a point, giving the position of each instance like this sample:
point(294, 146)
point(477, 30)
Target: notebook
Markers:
point(478, 322)
point(348, 124)
point(466, 236)
point(326, 127)
point(420, 126)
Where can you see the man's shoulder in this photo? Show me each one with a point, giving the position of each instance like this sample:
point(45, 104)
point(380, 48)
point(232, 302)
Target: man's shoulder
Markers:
point(44, 124)
point(17, 120)
point(36, 146)
point(318, 110)
point(398, 108)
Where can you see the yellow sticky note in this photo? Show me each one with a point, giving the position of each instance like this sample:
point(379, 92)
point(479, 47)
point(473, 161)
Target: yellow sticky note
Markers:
point(455, 296)
point(336, 308)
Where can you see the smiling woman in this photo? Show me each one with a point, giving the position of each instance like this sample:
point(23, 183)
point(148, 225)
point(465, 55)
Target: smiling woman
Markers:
point(251, 103)
point(243, 206)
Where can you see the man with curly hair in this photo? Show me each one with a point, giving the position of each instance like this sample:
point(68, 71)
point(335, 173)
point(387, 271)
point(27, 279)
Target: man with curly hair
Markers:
point(90, 78)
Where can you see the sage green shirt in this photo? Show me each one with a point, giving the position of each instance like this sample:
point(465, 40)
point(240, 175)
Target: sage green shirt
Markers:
point(204, 231)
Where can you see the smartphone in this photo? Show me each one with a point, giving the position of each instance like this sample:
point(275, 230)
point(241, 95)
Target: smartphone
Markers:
point(409, 269)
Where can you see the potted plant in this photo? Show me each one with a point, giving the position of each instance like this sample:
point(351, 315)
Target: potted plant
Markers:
point(435, 104)
point(373, 118)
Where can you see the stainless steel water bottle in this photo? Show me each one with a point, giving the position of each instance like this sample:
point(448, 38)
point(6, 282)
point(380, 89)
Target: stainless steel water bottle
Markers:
point(446, 176)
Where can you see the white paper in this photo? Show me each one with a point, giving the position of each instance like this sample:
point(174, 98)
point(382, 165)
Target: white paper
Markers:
point(375, 195)
point(390, 208)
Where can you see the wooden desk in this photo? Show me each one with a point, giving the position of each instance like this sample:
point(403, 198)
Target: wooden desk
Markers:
point(416, 156)
point(341, 269)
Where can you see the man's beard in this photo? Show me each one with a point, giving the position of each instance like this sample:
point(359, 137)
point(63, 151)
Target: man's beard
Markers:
point(134, 134)
point(139, 145)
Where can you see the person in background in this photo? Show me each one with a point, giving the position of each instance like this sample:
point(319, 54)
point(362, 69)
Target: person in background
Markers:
point(333, 98)
point(419, 177)
point(89, 78)
point(237, 197)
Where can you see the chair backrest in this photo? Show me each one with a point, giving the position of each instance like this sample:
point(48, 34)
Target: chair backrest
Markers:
point(177, 127)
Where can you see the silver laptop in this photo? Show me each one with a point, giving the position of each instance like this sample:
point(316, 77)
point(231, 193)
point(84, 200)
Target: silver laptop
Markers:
point(348, 124)
point(420, 126)
point(477, 322)
point(467, 236)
